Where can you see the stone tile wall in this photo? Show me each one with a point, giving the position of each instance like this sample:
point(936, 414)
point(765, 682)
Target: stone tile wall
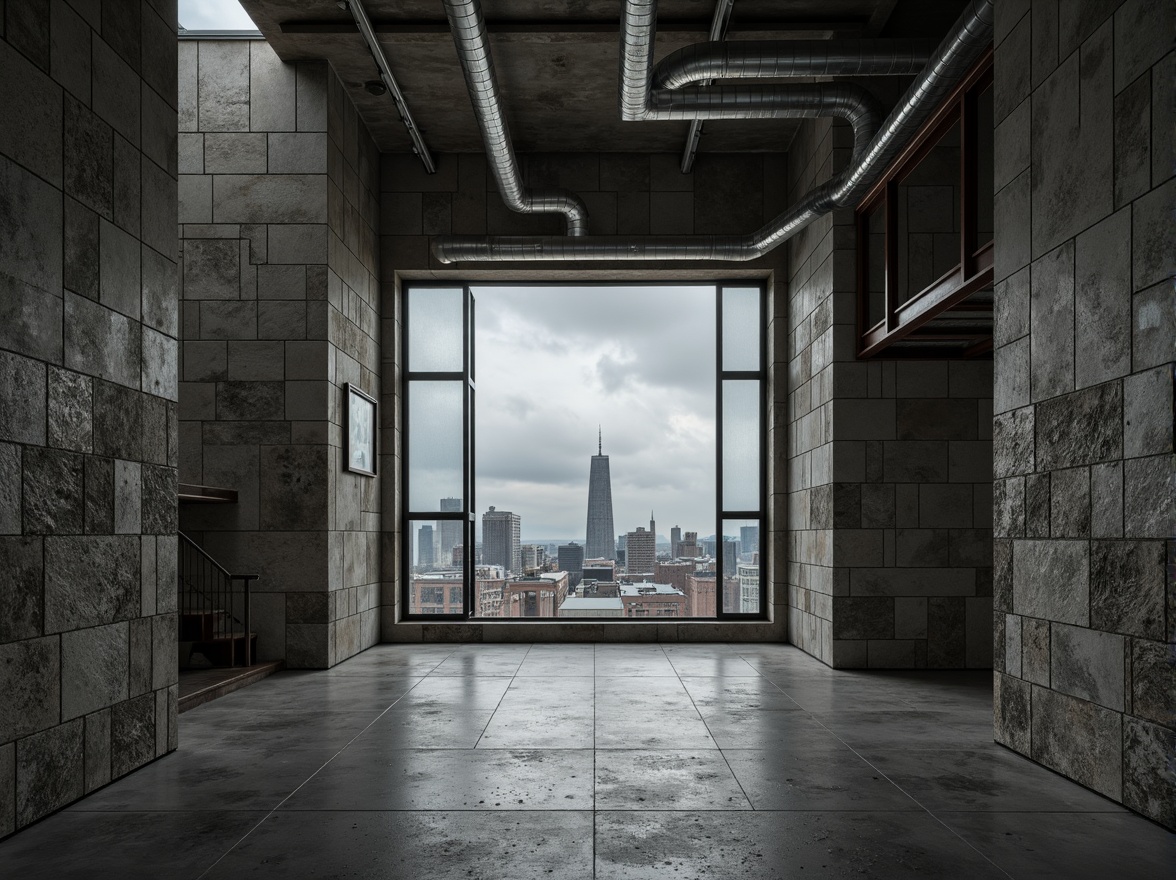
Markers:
point(626, 194)
point(890, 488)
point(278, 260)
point(1085, 328)
point(88, 418)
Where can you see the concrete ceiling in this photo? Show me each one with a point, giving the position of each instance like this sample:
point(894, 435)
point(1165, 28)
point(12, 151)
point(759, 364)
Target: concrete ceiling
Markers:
point(557, 64)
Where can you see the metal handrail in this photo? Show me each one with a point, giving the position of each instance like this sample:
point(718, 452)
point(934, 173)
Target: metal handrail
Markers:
point(195, 582)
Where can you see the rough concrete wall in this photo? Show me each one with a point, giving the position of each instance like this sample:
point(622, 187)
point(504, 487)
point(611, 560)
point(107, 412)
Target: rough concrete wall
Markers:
point(1085, 325)
point(635, 194)
point(87, 399)
point(353, 187)
point(271, 290)
point(890, 489)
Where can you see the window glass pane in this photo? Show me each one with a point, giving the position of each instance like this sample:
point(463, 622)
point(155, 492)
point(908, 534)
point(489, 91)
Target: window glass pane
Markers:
point(876, 265)
point(741, 328)
point(740, 561)
point(984, 167)
point(435, 580)
point(435, 444)
point(929, 217)
point(435, 334)
point(741, 444)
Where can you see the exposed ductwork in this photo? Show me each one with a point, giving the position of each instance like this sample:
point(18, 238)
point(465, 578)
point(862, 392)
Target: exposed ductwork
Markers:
point(969, 37)
point(473, 51)
point(718, 30)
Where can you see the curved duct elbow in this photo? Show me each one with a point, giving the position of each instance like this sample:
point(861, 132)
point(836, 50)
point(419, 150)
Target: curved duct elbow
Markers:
point(473, 51)
point(754, 59)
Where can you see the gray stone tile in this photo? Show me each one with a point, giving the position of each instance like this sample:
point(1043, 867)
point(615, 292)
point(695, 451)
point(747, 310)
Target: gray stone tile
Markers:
point(272, 92)
point(229, 320)
point(1012, 718)
point(52, 492)
point(1153, 679)
point(22, 389)
point(1133, 139)
point(128, 494)
point(101, 342)
point(1052, 580)
point(30, 675)
point(30, 230)
point(1070, 503)
point(1011, 71)
point(114, 80)
point(90, 580)
point(1152, 259)
point(1064, 844)
point(223, 86)
point(159, 209)
point(287, 198)
point(1080, 428)
point(1102, 302)
point(194, 195)
point(1073, 188)
point(1149, 485)
point(30, 117)
point(159, 500)
point(641, 780)
point(128, 185)
point(119, 270)
point(70, 416)
point(296, 243)
point(1153, 327)
point(20, 592)
point(97, 750)
point(1087, 664)
point(1079, 740)
point(81, 243)
point(235, 153)
point(48, 771)
point(1044, 56)
point(1035, 650)
point(99, 501)
point(760, 845)
point(160, 296)
point(93, 669)
point(1106, 500)
point(1140, 26)
point(298, 153)
point(1147, 413)
point(1163, 102)
point(1052, 309)
point(312, 98)
point(132, 734)
point(212, 269)
point(118, 421)
point(159, 371)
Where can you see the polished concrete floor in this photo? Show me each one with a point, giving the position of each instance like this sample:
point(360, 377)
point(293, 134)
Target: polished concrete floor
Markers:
point(606, 761)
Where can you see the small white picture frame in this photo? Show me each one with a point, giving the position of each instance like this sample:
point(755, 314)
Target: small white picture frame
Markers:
point(359, 429)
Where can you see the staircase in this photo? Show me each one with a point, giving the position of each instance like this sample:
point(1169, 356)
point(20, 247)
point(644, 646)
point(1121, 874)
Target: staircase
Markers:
point(213, 611)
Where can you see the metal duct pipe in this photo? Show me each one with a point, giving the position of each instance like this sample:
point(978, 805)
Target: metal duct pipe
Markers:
point(718, 30)
point(701, 62)
point(959, 50)
point(473, 51)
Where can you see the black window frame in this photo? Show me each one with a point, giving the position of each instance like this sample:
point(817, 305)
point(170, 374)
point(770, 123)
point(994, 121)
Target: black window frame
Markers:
point(468, 516)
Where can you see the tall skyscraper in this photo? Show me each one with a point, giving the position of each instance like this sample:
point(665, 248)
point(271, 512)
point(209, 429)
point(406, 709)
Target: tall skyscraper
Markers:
point(601, 538)
point(500, 540)
point(749, 539)
point(425, 557)
point(449, 532)
point(675, 540)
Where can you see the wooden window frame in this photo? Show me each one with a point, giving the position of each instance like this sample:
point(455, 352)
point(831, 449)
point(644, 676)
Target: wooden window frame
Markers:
point(972, 273)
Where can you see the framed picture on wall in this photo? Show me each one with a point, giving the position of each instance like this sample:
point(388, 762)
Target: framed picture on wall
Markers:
point(359, 439)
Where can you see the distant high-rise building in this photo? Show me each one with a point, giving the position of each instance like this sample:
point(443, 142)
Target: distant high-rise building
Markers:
point(500, 540)
point(675, 540)
point(534, 557)
point(688, 547)
point(749, 589)
point(571, 560)
point(748, 539)
point(641, 551)
point(425, 557)
point(600, 508)
point(449, 532)
point(730, 555)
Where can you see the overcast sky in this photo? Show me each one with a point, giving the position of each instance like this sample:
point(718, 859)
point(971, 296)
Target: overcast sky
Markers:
point(214, 15)
point(552, 364)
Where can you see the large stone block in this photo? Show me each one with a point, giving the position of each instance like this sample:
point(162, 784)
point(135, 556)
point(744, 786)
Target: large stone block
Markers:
point(70, 410)
point(1149, 485)
point(101, 342)
point(118, 421)
point(914, 461)
point(164, 665)
point(1148, 412)
point(1163, 107)
point(1142, 28)
point(1038, 504)
point(1127, 587)
point(272, 90)
point(22, 389)
point(283, 282)
point(114, 79)
point(1009, 507)
point(1080, 428)
point(53, 494)
point(1073, 188)
point(863, 618)
point(1149, 775)
point(298, 243)
point(81, 243)
point(159, 370)
point(128, 188)
point(140, 656)
point(294, 487)
point(912, 582)
point(1051, 580)
point(250, 400)
point(49, 768)
point(30, 229)
point(223, 86)
point(212, 269)
point(230, 320)
point(30, 117)
point(945, 505)
point(89, 159)
point(1051, 341)
point(21, 560)
point(160, 208)
point(93, 669)
point(132, 734)
point(30, 680)
point(1133, 141)
point(286, 198)
point(1079, 740)
point(1106, 500)
point(1087, 664)
point(160, 490)
point(128, 495)
point(99, 495)
point(1153, 681)
point(242, 153)
point(1070, 503)
point(90, 580)
point(1013, 446)
point(1035, 650)
point(1011, 715)
point(97, 750)
point(1153, 327)
point(1102, 309)
point(946, 632)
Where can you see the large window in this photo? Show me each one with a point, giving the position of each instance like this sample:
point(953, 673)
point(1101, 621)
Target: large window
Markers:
point(611, 465)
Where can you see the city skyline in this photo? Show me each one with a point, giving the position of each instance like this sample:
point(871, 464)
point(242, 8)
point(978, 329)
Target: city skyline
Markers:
point(638, 361)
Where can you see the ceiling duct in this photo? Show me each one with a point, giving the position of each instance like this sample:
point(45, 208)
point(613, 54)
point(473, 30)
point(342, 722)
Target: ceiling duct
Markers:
point(473, 51)
point(872, 152)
